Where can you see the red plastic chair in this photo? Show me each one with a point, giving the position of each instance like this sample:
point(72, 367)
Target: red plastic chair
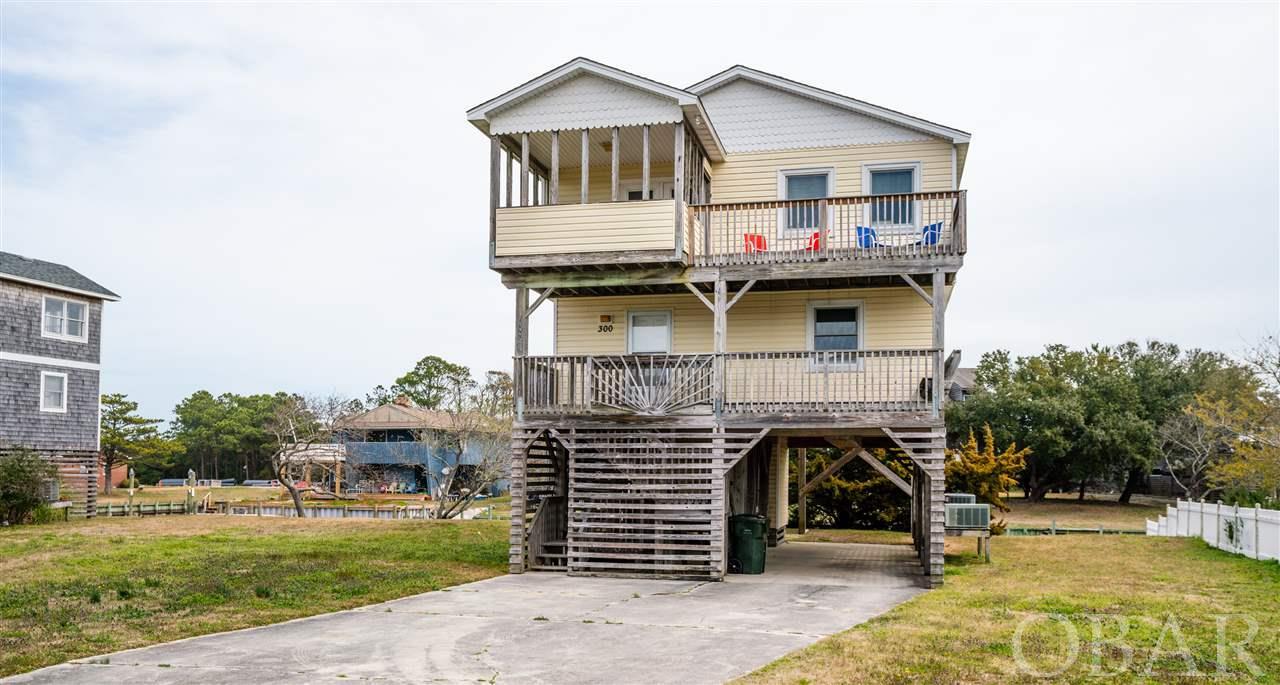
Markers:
point(754, 242)
point(815, 242)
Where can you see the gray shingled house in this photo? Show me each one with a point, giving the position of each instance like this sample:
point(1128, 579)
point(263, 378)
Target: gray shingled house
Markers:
point(50, 355)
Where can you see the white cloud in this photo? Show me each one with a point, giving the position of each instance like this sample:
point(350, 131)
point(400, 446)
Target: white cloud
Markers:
point(289, 197)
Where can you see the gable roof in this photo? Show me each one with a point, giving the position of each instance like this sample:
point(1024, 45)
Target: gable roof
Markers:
point(689, 102)
point(398, 416)
point(835, 99)
point(14, 267)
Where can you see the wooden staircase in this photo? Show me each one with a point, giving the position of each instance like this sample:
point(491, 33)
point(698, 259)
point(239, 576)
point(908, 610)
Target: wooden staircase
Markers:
point(546, 537)
point(552, 557)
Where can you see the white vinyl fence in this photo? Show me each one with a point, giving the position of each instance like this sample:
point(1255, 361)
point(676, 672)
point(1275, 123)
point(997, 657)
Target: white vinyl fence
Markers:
point(1251, 531)
point(286, 510)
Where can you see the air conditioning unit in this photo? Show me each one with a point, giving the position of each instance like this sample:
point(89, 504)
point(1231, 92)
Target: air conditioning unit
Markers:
point(961, 498)
point(968, 516)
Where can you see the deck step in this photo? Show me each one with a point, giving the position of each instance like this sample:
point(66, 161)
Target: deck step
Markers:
point(544, 567)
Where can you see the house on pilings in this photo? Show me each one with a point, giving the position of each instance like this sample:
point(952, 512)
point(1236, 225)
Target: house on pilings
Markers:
point(740, 268)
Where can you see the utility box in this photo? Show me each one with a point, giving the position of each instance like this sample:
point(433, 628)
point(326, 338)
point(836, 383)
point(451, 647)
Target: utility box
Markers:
point(968, 516)
point(960, 498)
point(747, 543)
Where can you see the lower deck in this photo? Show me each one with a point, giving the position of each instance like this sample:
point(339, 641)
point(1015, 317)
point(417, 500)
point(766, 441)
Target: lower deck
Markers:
point(652, 498)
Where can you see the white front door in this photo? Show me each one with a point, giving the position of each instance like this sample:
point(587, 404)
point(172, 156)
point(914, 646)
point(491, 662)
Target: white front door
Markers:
point(649, 332)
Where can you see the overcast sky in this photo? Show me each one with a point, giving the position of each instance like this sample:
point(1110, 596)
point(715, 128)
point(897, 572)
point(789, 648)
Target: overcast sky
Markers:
point(290, 198)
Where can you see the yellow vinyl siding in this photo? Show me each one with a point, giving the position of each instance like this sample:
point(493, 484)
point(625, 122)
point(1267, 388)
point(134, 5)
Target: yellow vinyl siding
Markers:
point(560, 229)
point(754, 176)
point(759, 322)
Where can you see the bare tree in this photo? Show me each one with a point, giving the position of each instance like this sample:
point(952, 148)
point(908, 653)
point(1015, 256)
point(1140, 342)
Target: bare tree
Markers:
point(474, 446)
point(304, 430)
point(1191, 448)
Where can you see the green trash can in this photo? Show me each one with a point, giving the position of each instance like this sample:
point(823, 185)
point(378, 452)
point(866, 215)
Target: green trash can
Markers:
point(746, 543)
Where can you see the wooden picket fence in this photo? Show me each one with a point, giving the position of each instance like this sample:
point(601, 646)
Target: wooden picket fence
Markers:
point(143, 509)
point(1251, 531)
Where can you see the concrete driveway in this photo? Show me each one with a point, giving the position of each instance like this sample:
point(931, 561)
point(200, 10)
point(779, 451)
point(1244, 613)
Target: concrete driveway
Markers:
point(546, 628)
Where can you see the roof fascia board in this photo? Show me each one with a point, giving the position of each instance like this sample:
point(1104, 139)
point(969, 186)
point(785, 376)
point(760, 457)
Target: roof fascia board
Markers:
point(59, 287)
point(716, 153)
point(834, 99)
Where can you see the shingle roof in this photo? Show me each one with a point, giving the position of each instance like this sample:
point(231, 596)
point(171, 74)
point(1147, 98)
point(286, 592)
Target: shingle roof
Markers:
point(56, 276)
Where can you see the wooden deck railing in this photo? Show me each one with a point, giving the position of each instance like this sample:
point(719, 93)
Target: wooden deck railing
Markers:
point(898, 380)
point(835, 228)
point(888, 380)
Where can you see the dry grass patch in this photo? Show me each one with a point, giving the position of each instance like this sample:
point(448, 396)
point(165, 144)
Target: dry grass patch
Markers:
point(79, 589)
point(1090, 513)
point(964, 631)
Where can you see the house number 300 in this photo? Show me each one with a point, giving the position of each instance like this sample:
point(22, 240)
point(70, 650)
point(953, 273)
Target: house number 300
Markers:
point(605, 328)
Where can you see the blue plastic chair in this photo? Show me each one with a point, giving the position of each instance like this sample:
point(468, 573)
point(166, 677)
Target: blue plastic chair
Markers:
point(867, 238)
point(931, 234)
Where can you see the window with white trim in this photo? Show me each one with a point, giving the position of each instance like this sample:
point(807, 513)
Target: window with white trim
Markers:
point(835, 328)
point(649, 332)
point(894, 178)
point(804, 184)
point(53, 392)
point(65, 319)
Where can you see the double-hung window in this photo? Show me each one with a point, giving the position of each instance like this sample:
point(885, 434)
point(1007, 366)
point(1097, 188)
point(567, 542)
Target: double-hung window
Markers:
point(53, 392)
point(836, 331)
point(804, 184)
point(65, 319)
point(895, 180)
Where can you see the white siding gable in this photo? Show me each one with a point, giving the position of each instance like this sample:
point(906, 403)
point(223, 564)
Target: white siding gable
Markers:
point(751, 117)
point(584, 101)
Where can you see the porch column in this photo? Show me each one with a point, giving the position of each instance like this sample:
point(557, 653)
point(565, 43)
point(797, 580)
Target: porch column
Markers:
point(522, 345)
point(644, 165)
point(522, 322)
point(586, 164)
point(615, 162)
point(524, 169)
point(779, 480)
point(718, 319)
point(554, 198)
point(802, 474)
point(510, 201)
point(519, 460)
point(934, 507)
point(677, 166)
point(495, 190)
point(939, 338)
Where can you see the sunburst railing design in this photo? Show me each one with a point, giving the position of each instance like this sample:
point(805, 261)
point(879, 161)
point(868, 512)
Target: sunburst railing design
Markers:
point(653, 384)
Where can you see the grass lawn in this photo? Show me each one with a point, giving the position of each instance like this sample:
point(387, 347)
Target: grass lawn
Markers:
point(1092, 512)
point(878, 537)
point(77, 589)
point(964, 631)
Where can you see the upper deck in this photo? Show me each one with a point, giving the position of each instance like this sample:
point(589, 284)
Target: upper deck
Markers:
point(744, 176)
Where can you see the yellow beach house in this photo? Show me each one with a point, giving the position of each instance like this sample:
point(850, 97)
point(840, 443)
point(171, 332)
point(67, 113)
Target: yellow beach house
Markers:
point(740, 268)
